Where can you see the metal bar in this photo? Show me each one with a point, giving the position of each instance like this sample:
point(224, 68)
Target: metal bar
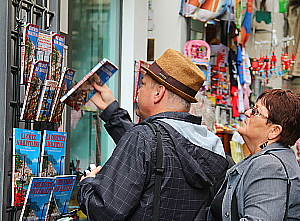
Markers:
point(6, 11)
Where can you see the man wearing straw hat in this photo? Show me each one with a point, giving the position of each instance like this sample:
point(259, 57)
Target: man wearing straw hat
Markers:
point(193, 159)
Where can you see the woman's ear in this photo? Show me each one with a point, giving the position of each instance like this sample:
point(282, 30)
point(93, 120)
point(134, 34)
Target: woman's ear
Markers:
point(275, 131)
point(159, 93)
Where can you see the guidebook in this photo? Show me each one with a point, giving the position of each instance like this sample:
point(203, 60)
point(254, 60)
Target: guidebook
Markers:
point(53, 153)
point(26, 152)
point(58, 43)
point(37, 199)
point(33, 90)
point(44, 46)
point(28, 50)
point(84, 90)
point(61, 196)
point(46, 100)
point(63, 87)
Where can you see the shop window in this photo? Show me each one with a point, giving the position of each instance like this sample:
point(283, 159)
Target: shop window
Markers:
point(95, 35)
point(197, 30)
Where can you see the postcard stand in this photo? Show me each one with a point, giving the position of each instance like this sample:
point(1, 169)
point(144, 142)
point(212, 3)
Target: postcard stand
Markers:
point(17, 88)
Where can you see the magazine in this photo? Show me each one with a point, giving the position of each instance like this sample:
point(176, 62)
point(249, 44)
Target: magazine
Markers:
point(61, 196)
point(37, 199)
point(28, 50)
point(26, 152)
point(84, 90)
point(63, 87)
point(33, 90)
point(53, 153)
point(58, 43)
point(46, 100)
point(44, 49)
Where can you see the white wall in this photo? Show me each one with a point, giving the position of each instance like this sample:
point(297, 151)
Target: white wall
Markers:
point(169, 27)
point(169, 32)
point(134, 36)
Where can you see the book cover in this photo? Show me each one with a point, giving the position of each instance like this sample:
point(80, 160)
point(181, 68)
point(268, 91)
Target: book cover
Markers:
point(84, 90)
point(53, 153)
point(26, 153)
point(63, 87)
point(58, 43)
point(37, 199)
point(46, 100)
point(33, 90)
point(28, 50)
point(44, 48)
point(61, 196)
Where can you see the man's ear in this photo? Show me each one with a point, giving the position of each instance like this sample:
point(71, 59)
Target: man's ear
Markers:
point(159, 93)
point(275, 131)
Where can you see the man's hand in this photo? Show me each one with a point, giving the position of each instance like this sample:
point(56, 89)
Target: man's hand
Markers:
point(103, 97)
point(92, 173)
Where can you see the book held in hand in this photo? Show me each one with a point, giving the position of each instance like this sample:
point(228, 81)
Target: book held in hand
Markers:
point(84, 90)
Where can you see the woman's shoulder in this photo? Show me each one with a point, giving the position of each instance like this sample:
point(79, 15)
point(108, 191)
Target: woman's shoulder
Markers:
point(266, 166)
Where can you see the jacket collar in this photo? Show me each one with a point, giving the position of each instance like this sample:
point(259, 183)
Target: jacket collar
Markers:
point(184, 116)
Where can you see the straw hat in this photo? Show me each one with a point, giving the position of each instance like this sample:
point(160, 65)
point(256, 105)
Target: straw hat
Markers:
point(177, 73)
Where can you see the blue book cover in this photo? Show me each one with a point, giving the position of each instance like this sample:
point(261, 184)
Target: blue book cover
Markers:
point(26, 157)
point(33, 90)
point(58, 43)
point(61, 195)
point(46, 100)
point(53, 153)
point(29, 47)
point(64, 85)
point(37, 199)
point(84, 90)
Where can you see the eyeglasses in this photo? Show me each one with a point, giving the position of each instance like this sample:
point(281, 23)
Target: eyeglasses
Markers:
point(255, 112)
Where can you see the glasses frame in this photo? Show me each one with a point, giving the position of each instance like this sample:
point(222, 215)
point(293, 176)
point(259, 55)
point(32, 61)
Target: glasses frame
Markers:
point(255, 112)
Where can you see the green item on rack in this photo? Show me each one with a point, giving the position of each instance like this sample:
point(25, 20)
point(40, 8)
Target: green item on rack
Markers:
point(263, 16)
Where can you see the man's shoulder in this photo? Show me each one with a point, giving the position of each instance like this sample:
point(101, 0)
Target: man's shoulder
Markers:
point(142, 129)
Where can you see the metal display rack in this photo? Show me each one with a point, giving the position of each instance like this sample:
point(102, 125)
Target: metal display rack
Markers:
point(43, 13)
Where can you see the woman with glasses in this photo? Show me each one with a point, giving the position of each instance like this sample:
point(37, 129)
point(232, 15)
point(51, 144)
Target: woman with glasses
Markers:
point(266, 184)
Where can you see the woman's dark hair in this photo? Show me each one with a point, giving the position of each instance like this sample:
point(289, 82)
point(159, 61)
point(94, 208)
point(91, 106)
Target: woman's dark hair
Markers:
point(284, 109)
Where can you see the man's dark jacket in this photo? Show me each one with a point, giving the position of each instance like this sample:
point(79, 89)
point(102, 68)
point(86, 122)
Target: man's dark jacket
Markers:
point(123, 189)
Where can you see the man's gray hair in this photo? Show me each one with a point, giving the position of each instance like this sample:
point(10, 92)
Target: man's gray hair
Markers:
point(175, 101)
point(178, 103)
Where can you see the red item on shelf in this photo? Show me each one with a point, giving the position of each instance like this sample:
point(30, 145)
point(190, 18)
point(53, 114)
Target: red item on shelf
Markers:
point(254, 65)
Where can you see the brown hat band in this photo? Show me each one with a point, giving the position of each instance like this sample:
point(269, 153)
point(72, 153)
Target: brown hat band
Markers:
point(158, 71)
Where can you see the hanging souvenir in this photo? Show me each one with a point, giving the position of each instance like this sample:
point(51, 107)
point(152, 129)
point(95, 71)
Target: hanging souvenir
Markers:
point(273, 62)
point(254, 66)
point(199, 52)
